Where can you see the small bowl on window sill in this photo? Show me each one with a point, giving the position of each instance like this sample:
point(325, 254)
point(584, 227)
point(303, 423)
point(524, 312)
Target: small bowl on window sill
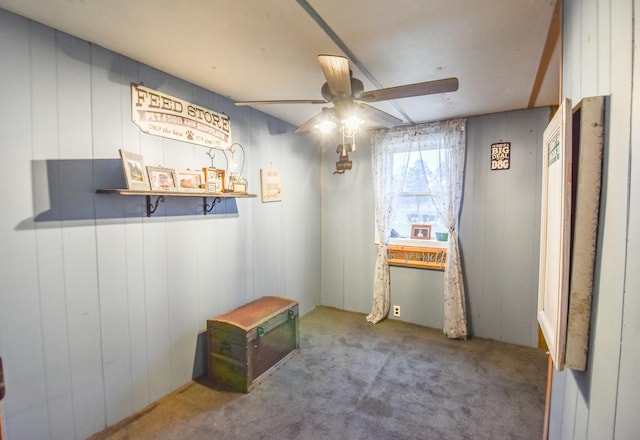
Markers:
point(442, 236)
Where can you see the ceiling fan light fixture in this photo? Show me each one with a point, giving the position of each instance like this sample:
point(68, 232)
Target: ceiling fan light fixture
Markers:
point(348, 98)
point(326, 126)
point(352, 123)
point(349, 130)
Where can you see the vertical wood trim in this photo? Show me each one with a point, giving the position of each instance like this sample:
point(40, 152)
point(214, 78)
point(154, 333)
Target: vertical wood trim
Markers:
point(547, 404)
point(560, 52)
point(553, 36)
point(542, 344)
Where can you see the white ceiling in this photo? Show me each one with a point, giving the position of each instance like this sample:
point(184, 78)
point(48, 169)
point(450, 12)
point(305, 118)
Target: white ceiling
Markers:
point(266, 49)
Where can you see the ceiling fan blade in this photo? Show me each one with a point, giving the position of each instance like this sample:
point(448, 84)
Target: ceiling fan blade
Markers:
point(336, 70)
point(324, 115)
point(377, 116)
point(406, 91)
point(282, 101)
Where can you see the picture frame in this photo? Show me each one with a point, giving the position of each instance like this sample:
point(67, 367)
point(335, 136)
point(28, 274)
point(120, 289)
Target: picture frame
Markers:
point(270, 186)
point(555, 233)
point(421, 232)
point(162, 179)
point(190, 180)
point(236, 184)
point(239, 187)
point(214, 180)
point(134, 170)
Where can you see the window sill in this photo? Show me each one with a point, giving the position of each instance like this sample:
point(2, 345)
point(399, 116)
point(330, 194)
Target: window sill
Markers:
point(408, 242)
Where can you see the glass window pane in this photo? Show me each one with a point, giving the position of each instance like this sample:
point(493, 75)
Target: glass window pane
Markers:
point(414, 204)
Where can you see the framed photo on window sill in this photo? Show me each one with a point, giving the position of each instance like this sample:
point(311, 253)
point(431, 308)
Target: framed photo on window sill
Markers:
point(421, 232)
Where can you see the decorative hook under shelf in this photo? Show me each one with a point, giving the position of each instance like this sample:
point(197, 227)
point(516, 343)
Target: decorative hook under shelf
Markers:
point(206, 207)
point(152, 208)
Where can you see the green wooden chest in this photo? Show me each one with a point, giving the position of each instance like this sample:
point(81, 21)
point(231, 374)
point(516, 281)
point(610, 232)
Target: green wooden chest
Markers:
point(249, 343)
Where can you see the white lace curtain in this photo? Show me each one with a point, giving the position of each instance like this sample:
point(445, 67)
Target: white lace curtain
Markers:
point(448, 139)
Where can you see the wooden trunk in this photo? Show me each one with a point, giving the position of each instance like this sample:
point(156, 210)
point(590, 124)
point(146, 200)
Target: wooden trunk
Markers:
point(251, 342)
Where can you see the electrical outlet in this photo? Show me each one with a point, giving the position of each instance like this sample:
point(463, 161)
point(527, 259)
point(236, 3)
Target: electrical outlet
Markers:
point(396, 311)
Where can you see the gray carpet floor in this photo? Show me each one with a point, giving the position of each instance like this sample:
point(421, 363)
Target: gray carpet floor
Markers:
point(354, 380)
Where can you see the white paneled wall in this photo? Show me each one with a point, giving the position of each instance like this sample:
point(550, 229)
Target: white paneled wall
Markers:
point(499, 232)
point(101, 308)
point(500, 226)
point(602, 403)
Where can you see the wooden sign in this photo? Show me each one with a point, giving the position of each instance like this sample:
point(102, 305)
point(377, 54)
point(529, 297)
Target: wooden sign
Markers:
point(270, 185)
point(501, 156)
point(417, 257)
point(163, 115)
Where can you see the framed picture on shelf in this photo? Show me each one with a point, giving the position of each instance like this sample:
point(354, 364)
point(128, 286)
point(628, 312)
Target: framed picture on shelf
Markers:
point(240, 187)
point(214, 180)
point(162, 179)
point(134, 170)
point(191, 180)
point(236, 184)
point(421, 232)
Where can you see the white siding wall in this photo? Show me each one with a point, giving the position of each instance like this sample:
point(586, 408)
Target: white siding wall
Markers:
point(348, 250)
point(500, 226)
point(101, 308)
point(602, 403)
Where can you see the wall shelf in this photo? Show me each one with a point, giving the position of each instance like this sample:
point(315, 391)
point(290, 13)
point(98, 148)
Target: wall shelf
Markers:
point(160, 195)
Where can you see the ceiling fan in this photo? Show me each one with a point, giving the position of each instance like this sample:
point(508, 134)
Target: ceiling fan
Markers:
point(348, 97)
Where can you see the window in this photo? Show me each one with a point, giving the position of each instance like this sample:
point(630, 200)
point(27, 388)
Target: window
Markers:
point(440, 149)
point(412, 169)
